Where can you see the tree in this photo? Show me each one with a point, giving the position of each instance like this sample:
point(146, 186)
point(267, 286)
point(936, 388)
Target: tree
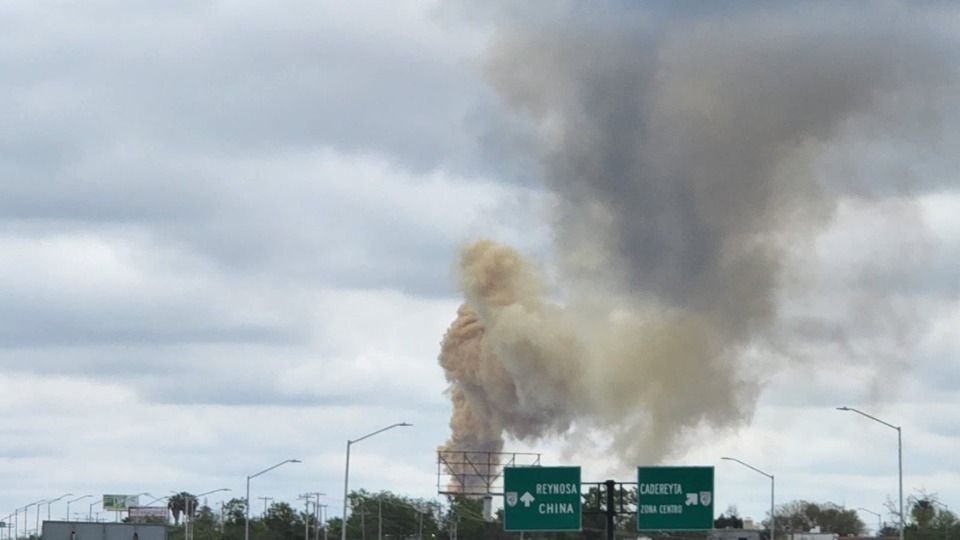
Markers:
point(282, 522)
point(333, 526)
point(234, 511)
point(178, 505)
point(465, 516)
point(929, 519)
point(205, 524)
point(805, 515)
point(730, 519)
point(395, 515)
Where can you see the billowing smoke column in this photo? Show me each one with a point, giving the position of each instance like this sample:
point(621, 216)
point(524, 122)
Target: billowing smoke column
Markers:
point(682, 156)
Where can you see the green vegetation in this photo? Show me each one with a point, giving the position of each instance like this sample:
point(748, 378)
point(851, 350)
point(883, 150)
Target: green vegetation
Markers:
point(391, 516)
point(802, 516)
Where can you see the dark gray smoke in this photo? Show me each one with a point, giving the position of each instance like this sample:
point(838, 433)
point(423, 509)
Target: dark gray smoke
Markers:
point(684, 156)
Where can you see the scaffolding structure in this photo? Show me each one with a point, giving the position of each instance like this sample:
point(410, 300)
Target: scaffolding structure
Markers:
point(465, 472)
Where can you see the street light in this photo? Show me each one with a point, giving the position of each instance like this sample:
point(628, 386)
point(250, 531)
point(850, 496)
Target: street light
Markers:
point(55, 500)
point(187, 528)
point(36, 528)
point(879, 525)
point(72, 501)
point(157, 499)
point(90, 511)
point(26, 515)
point(899, 455)
point(16, 522)
point(246, 519)
point(773, 520)
point(346, 475)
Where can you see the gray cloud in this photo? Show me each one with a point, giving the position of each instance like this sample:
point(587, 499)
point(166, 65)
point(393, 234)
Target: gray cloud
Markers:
point(224, 80)
point(190, 122)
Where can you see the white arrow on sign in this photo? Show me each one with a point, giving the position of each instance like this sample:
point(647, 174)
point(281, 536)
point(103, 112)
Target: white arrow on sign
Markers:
point(526, 499)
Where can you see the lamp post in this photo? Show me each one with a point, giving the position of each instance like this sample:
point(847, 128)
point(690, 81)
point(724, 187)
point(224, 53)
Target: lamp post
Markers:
point(26, 516)
point(72, 501)
point(773, 520)
point(246, 520)
point(155, 500)
point(36, 528)
point(187, 528)
point(90, 511)
point(879, 525)
point(346, 475)
point(899, 455)
point(55, 500)
point(16, 522)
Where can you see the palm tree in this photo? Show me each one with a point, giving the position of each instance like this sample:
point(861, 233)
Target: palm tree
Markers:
point(178, 505)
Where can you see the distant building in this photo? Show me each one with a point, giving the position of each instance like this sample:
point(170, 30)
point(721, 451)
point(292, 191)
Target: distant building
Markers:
point(83, 530)
point(734, 534)
point(812, 536)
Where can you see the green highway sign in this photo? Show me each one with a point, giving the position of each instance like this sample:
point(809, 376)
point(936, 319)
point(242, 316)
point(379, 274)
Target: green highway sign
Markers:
point(541, 499)
point(674, 498)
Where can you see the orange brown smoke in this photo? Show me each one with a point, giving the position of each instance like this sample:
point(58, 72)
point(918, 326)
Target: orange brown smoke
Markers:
point(521, 366)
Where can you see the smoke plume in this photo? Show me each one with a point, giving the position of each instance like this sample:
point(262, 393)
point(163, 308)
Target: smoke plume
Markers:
point(682, 154)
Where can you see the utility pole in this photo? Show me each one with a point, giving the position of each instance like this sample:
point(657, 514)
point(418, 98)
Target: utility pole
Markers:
point(319, 511)
point(306, 515)
point(265, 499)
point(308, 498)
point(322, 513)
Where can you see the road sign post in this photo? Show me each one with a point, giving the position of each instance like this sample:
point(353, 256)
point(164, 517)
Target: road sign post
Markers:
point(674, 498)
point(541, 499)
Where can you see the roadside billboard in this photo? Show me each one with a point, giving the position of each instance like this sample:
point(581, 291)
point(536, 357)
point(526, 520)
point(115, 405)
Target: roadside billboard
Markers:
point(120, 503)
point(142, 514)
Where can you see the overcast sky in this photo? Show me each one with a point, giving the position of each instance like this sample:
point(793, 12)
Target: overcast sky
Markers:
point(228, 233)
